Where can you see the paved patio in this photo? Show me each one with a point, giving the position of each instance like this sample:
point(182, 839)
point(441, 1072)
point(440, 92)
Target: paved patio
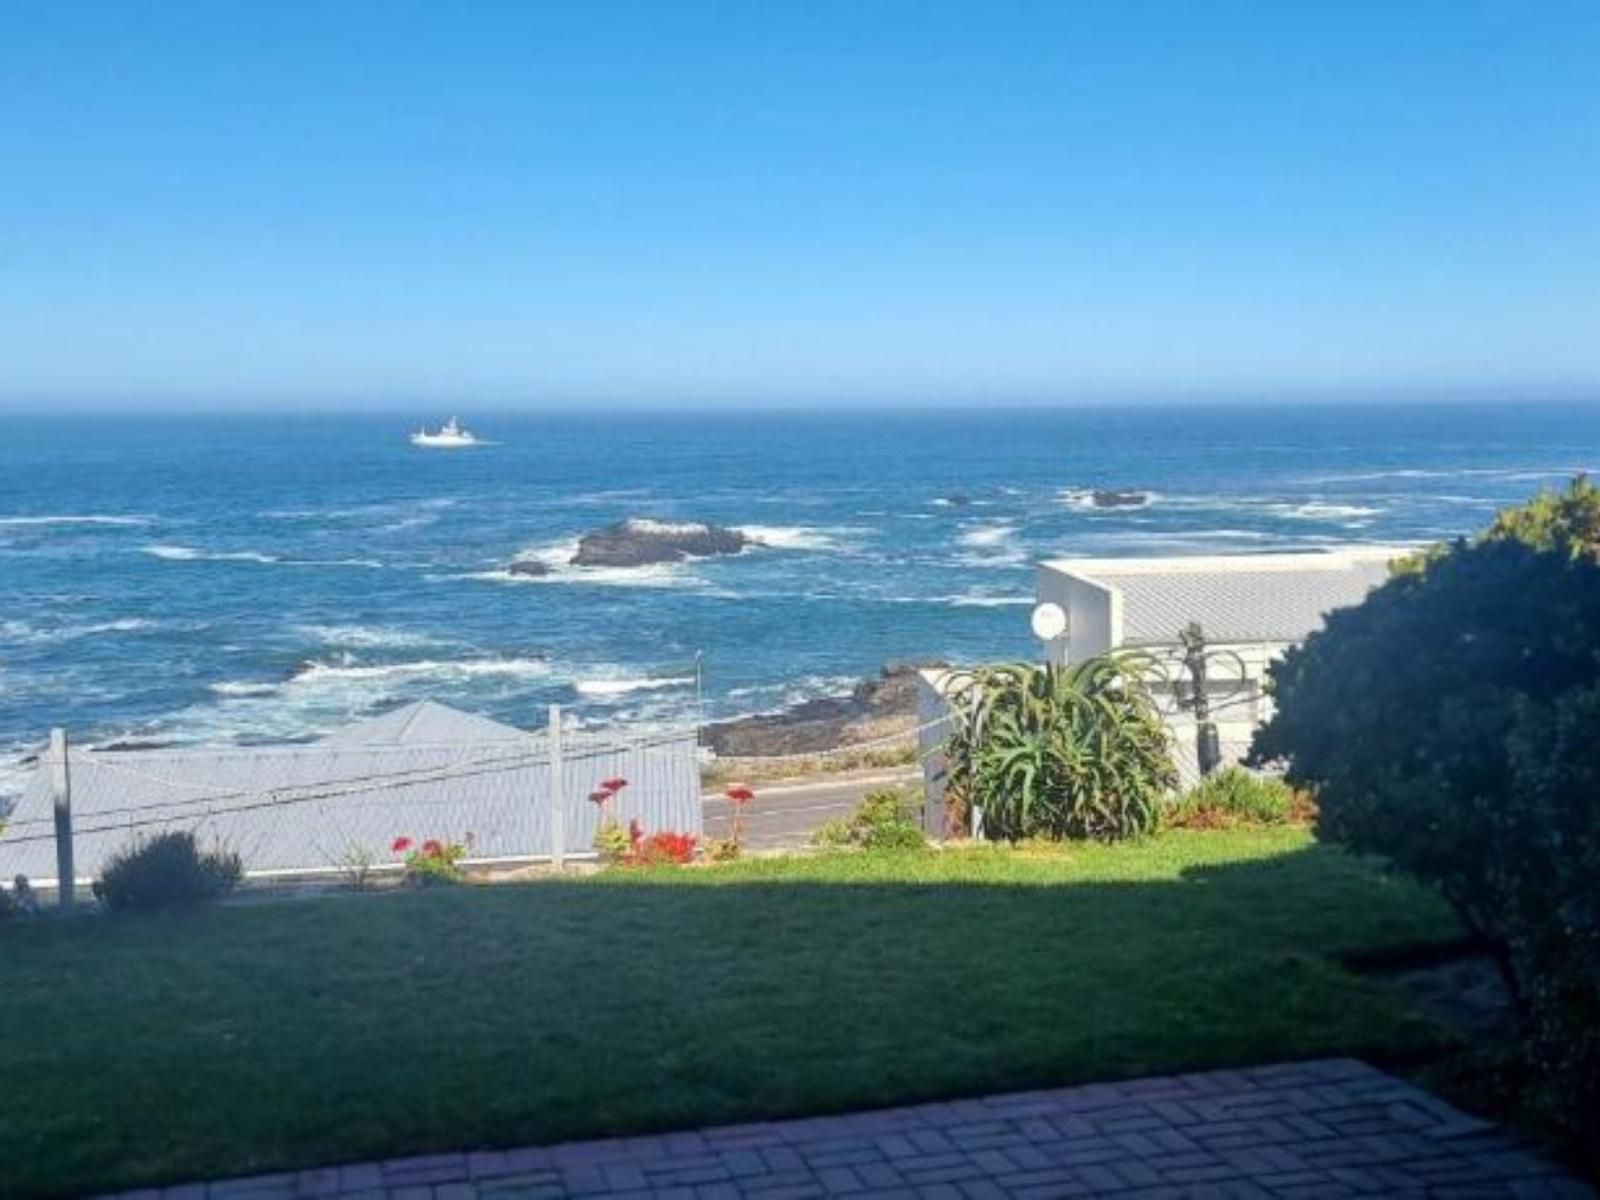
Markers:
point(1319, 1129)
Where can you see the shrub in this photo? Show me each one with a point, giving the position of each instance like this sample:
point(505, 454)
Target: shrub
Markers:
point(1061, 752)
point(1448, 723)
point(166, 871)
point(1233, 796)
point(8, 906)
point(611, 842)
point(661, 849)
point(433, 862)
point(356, 866)
point(883, 821)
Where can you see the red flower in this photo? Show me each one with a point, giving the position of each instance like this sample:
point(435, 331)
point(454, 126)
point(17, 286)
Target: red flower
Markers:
point(401, 845)
point(739, 794)
point(635, 831)
point(432, 848)
point(600, 797)
point(613, 785)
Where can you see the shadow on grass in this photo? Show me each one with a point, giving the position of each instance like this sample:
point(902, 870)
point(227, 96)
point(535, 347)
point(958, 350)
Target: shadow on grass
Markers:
point(261, 1037)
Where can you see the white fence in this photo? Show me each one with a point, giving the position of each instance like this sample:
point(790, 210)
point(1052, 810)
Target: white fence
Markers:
point(292, 810)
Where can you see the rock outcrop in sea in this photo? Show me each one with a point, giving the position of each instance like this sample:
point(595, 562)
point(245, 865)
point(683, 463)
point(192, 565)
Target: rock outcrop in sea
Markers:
point(641, 543)
point(1106, 497)
point(1112, 498)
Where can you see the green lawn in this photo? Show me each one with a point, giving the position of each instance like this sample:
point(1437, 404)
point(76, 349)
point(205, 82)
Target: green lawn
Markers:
point(256, 1037)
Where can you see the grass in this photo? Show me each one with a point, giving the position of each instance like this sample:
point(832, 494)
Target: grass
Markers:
point(256, 1037)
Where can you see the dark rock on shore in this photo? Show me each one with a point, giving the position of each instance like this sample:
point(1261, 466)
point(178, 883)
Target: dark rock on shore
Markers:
point(529, 566)
point(642, 543)
point(875, 708)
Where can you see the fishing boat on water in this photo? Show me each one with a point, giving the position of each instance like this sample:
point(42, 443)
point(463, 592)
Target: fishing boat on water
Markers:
point(452, 435)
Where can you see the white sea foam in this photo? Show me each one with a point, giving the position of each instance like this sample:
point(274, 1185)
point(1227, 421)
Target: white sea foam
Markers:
point(190, 554)
point(368, 637)
point(245, 687)
point(661, 575)
point(665, 528)
point(603, 688)
point(22, 631)
point(71, 519)
point(985, 536)
point(316, 672)
point(1318, 510)
point(790, 537)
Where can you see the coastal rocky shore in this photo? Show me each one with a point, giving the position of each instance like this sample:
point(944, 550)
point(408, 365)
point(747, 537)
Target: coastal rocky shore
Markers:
point(880, 707)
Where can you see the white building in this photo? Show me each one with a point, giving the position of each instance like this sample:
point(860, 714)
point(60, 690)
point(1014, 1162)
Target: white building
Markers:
point(1250, 608)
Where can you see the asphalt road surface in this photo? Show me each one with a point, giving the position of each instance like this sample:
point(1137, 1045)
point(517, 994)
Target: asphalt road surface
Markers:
point(786, 814)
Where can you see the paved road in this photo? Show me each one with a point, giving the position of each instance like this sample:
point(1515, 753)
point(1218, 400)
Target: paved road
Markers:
point(786, 814)
point(1297, 1131)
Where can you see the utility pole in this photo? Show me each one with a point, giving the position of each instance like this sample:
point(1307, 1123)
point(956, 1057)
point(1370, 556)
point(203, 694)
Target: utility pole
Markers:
point(61, 789)
point(558, 796)
point(1208, 747)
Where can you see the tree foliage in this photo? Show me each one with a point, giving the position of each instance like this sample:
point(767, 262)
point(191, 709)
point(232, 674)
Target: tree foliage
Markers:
point(1061, 752)
point(1450, 723)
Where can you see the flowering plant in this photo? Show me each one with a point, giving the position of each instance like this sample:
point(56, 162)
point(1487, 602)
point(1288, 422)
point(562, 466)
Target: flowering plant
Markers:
point(609, 840)
point(660, 849)
point(434, 861)
point(738, 795)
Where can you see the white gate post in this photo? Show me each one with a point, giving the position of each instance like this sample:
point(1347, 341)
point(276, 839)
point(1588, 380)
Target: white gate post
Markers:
point(558, 793)
point(61, 789)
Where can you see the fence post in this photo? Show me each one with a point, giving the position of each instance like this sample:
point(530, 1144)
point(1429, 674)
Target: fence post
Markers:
point(61, 790)
point(558, 793)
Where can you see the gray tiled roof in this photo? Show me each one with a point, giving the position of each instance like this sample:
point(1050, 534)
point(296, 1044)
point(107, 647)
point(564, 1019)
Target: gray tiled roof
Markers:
point(1237, 605)
point(422, 723)
point(423, 771)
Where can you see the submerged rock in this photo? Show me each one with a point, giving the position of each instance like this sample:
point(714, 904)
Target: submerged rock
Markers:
point(529, 566)
point(1115, 498)
point(642, 543)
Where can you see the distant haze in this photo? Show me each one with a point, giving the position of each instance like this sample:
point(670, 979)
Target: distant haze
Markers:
point(663, 203)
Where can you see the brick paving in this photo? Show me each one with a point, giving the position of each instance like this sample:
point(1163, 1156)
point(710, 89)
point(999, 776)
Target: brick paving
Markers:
point(1303, 1131)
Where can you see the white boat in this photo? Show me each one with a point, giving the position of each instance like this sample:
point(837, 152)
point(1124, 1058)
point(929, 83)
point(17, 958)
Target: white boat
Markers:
point(452, 435)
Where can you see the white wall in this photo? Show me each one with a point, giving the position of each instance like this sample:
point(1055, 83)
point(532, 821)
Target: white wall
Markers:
point(1094, 615)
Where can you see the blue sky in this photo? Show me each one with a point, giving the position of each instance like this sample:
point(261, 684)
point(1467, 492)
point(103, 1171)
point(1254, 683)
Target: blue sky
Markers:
point(764, 202)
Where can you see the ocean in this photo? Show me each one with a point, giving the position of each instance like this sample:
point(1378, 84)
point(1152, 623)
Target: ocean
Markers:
point(236, 578)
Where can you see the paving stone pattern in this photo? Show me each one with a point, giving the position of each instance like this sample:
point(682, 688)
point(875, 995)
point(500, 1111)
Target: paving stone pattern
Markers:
point(1304, 1130)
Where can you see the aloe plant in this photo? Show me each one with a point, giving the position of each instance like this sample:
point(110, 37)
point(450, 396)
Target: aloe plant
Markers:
point(1059, 751)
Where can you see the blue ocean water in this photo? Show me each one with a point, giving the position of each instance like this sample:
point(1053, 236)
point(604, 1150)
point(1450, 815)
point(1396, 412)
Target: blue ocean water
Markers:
point(205, 578)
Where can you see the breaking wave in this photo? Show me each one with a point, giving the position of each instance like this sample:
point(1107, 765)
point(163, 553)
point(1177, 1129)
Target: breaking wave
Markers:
point(191, 554)
point(444, 669)
point(70, 519)
point(789, 537)
point(602, 688)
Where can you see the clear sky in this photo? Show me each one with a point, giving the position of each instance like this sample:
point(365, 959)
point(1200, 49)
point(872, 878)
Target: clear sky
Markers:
point(763, 201)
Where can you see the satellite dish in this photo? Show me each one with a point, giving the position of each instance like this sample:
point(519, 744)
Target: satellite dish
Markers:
point(1049, 622)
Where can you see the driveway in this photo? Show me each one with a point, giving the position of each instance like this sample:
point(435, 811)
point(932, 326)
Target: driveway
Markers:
point(785, 814)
